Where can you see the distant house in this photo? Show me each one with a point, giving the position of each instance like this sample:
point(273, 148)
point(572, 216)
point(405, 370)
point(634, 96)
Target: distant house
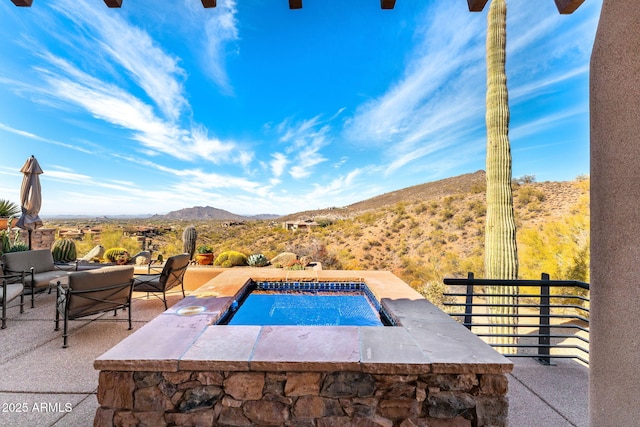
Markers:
point(231, 223)
point(299, 225)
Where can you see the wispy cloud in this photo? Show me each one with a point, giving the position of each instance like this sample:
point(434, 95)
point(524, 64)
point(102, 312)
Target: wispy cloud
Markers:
point(221, 30)
point(39, 138)
point(304, 141)
point(438, 103)
point(148, 65)
point(434, 102)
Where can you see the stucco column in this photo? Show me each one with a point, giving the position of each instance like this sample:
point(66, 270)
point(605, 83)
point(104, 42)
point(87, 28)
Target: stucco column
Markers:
point(614, 384)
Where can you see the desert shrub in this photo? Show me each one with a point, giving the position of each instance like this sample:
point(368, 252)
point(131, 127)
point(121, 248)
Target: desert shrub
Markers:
point(462, 220)
point(434, 291)
point(420, 208)
point(446, 213)
point(433, 207)
point(368, 218)
point(478, 188)
point(477, 208)
point(324, 222)
point(525, 179)
point(318, 252)
point(529, 194)
point(400, 208)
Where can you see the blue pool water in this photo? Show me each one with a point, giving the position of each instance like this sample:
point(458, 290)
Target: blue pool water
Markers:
point(306, 309)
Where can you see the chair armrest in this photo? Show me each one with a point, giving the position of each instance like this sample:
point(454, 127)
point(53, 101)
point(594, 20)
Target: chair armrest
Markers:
point(67, 266)
point(12, 278)
point(26, 272)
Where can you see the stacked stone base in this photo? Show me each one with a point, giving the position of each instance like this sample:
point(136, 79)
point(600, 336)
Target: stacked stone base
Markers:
point(314, 399)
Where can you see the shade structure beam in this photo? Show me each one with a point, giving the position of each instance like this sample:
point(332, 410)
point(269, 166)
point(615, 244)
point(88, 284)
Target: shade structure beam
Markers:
point(564, 6)
point(293, 4)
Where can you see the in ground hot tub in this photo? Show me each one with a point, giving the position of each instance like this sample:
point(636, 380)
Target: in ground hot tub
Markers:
point(184, 368)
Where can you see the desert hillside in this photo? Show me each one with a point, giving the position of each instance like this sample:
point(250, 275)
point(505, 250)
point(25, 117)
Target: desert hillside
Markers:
point(421, 233)
point(425, 232)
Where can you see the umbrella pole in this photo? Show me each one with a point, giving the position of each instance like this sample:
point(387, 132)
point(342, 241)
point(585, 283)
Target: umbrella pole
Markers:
point(29, 239)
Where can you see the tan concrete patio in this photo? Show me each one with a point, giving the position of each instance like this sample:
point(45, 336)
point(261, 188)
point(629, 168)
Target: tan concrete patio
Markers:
point(42, 384)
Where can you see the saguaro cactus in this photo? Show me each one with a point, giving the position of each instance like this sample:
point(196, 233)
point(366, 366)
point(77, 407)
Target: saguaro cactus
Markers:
point(501, 255)
point(189, 237)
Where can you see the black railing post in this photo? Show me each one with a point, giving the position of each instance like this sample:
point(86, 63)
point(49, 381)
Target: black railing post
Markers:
point(468, 309)
point(544, 332)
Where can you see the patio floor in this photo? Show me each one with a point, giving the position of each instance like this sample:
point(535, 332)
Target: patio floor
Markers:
point(42, 384)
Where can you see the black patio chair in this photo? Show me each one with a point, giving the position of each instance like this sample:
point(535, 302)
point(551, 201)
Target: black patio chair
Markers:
point(171, 276)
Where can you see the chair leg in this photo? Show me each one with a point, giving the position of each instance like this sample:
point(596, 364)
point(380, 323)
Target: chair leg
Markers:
point(164, 299)
point(33, 295)
point(4, 310)
point(57, 328)
point(64, 333)
point(129, 310)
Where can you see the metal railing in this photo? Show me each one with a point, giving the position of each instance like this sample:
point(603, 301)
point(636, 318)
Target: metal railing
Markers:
point(542, 321)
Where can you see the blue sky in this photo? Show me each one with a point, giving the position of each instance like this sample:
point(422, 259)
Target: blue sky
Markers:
point(254, 108)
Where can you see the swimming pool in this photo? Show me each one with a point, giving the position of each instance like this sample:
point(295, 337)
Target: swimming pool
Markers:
point(306, 304)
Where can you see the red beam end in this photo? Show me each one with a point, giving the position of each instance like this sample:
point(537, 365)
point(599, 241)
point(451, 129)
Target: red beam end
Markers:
point(113, 3)
point(295, 4)
point(387, 4)
point(566, 7)
point(476, 5)
point(208, 3)
point(22, 3)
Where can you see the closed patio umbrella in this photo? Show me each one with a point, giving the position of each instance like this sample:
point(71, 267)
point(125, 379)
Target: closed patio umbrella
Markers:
point(30, 197)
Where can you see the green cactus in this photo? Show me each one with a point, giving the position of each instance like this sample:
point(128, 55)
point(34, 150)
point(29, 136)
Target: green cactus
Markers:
point(257, 260)
point(234, 258)
point(189, 236)
point(19, 247)
point(5, 242)
point(111, 255)
point(501, 255)
point(64, 250)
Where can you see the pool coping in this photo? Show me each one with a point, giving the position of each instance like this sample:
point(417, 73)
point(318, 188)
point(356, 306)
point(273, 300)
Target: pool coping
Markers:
point(426, 340)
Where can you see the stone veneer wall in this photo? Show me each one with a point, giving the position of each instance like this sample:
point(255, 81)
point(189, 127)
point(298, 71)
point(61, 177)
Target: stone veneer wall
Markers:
point(42, 238)
point(314, 399)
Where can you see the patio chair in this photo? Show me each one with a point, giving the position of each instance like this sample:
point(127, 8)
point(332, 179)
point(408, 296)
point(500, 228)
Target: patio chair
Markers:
point(171, 276)
point(89, 292)
point(11, 287)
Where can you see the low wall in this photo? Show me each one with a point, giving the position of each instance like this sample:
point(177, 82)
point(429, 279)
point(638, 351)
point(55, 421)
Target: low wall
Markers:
point(300, 398)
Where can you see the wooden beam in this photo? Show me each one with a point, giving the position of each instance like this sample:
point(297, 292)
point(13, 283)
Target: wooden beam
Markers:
point(295, 4)
point(208, 3)
point(22, 3)
point(113, 3)
point(568, 6)
point(476, 5)
point(387, 4)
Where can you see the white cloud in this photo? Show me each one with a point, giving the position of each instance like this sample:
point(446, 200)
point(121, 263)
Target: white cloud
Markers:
point(278, 163)
point(152, 69)
point(221, 30)
point(39, 138)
